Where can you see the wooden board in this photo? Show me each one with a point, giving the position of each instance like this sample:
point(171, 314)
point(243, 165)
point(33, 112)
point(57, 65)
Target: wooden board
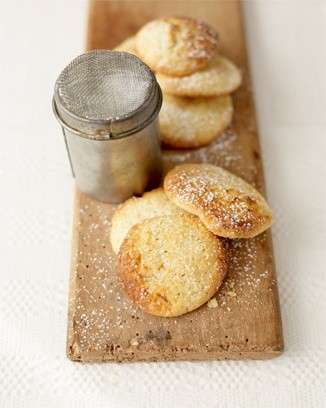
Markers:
point(103, 325)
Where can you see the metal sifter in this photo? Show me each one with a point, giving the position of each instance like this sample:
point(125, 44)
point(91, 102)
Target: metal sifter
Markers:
point(107, 103)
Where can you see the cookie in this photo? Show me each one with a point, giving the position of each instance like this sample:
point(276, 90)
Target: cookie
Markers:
point(135, 210)
point(170, 265)
point(177, 45)
point(220, 77)
point(128, 45)
point(226, 204)
point(188, 123)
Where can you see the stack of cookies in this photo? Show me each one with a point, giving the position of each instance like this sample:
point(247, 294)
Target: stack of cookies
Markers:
point(171, 241)
point(196, 80)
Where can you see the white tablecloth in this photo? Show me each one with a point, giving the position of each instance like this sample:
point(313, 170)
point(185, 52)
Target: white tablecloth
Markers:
point(288, 56)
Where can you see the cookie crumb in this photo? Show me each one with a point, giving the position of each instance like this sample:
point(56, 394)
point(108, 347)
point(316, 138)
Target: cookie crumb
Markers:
point(134, 342)
point(212, 303)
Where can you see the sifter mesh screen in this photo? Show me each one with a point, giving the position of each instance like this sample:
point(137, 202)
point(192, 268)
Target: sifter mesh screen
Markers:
point(103, 85)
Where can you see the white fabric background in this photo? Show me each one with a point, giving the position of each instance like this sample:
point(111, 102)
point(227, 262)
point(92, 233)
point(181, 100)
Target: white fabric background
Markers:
point(287, 44)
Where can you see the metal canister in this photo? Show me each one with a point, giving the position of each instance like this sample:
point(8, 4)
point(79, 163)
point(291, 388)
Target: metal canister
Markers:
point(107, 103)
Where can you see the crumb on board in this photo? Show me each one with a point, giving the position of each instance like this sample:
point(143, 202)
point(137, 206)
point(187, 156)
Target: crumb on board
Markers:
point(134, 342)
point(212, 303)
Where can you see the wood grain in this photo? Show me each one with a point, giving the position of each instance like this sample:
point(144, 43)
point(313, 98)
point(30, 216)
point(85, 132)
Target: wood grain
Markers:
point(103, 325)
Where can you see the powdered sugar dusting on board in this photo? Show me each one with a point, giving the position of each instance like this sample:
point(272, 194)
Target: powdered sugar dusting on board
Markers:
point(98, 305)
point(220, 152)
point(243, 285)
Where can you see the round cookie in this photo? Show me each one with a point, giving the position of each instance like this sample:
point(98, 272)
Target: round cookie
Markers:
point(177, 45)
point(128, 45)
point(137, 209)
point(188, 123)
point(226, 204)
point(220, 77)
point(170, 265)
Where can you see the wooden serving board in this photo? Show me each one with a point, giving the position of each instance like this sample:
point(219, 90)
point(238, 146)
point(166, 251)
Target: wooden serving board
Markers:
point(245, 322)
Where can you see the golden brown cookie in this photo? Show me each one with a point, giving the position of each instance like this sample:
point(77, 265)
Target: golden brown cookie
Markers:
point(188, 123)
point(225, 203)
point(170, 265)
point(136, 210)
point(176, 45)
point(128, 45)
point(220, 77)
